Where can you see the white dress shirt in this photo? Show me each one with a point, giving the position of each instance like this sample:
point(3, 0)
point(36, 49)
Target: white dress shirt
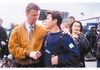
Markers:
point(27, 25)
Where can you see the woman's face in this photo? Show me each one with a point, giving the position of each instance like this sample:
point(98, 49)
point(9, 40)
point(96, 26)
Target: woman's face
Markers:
point(76, 27)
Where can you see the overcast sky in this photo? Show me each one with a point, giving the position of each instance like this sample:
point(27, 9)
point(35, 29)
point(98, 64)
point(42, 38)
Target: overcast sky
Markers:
point(12, 11)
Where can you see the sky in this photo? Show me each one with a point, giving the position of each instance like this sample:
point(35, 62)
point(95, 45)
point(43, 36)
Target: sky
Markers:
point(14, 10)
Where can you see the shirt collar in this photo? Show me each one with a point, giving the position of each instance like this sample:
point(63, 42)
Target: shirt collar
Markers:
point(27, 25)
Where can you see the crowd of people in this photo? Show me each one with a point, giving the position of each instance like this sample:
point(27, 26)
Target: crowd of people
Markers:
point(55, 45)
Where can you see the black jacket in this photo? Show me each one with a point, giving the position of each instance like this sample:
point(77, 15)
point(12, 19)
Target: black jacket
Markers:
point(3, 37)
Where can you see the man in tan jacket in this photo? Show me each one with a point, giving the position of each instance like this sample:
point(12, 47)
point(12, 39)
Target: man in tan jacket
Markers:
point(26, 39)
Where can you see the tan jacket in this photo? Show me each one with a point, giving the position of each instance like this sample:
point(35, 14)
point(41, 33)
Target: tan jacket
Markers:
point(19, 42)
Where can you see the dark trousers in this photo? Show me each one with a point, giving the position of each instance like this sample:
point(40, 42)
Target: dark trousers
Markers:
point(98, 63)
point(40, 64)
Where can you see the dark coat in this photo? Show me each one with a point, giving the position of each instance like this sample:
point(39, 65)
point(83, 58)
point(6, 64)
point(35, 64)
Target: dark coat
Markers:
point(64, 47)
point(3, 37)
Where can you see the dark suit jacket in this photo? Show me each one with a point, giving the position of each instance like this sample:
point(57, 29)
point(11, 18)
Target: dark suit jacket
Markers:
point(3, 37)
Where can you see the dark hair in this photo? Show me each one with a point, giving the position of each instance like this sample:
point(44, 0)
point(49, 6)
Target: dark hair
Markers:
point(56, 15)
point(81, 27)
point(31, 6)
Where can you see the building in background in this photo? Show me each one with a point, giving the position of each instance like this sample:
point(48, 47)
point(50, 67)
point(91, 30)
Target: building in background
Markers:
point(43, 16)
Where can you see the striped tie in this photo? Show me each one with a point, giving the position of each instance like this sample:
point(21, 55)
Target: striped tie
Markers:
point(30, 32)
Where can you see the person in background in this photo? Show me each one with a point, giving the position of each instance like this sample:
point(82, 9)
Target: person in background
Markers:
point(65, 26)
point(91, 35)
point(12, 25)
point(59, 49)
point(97, 48)
point(26, 39)
point(81, 41)
point(3, 41)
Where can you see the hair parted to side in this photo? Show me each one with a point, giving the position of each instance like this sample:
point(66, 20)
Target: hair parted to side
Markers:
point(81, 27)
point(55, 15)
point(31, 6)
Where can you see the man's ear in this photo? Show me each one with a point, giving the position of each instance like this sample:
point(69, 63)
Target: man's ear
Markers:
point(55, 20)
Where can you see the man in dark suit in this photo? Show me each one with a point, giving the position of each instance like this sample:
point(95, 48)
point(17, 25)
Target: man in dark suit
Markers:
point(3, 40)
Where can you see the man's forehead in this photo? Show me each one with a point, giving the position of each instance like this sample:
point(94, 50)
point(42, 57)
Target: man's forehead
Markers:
point(49, 15)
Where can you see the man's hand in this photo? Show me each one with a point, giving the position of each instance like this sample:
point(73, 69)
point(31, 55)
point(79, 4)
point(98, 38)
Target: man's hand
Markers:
point(38, 54)
point(54, 60)
point(35, 54)
point(3, 43)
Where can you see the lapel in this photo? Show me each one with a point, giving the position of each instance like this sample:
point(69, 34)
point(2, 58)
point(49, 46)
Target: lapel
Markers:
point(26, 33)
